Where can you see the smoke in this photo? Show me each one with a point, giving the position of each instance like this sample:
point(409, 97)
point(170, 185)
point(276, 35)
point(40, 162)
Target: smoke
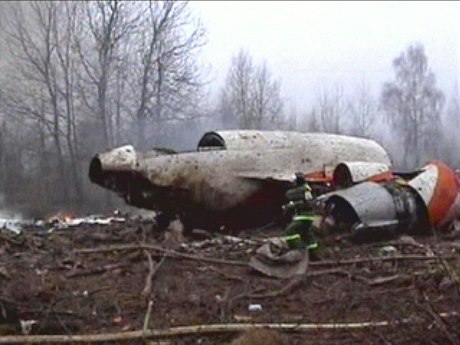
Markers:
point(10, 220)
point(7, 214)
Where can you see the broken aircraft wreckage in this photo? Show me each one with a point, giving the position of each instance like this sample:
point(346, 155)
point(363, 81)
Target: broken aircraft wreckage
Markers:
point(236, 179)
point(411, 203)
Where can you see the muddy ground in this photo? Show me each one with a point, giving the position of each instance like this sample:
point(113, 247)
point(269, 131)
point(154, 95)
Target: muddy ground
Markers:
point(55, 279)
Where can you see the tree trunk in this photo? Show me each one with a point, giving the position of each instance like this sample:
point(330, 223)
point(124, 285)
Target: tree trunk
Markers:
point(141, 121)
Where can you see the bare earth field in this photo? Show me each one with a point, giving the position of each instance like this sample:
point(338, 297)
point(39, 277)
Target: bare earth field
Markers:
point(99, 279)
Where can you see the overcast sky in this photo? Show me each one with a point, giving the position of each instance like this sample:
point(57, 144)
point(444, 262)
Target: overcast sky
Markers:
point(309, 45)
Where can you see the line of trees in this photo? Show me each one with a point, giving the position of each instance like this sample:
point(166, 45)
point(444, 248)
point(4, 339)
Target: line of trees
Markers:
point(410, 116)
point(80, 77)
point(251, 96)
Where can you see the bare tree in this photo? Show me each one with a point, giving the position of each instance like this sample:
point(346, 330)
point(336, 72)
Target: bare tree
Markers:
point(236, 96)
point(451, 140)
point(332, 109)
point(308, 121)
point(34, 46)
point(168, 80)
point(363, 111)
point(108, 23)
point(251, 97)
point(453, 109)
point(267, 104)
point(292, 120)
point(226, 109)
point(65, 32)
point(313, 124)
point(413, 104)
point(3, 150)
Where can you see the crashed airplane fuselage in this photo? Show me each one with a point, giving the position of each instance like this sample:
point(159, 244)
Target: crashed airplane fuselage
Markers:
point(235, 178)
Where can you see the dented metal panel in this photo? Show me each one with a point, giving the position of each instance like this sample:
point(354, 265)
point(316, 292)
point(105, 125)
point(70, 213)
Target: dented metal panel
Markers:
point(121, 158)
point(425, 182)
point(439, 188)
point(349, 173)
point(369, 200)
point(372, 211)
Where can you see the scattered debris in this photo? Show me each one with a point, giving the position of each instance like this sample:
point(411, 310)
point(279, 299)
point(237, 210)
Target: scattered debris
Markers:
point(126, 292)
point(64, 222)
point(279, 263)
point(57, 222)
point(16, 225)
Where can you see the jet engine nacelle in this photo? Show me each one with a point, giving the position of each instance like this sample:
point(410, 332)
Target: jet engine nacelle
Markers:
point(373, 210)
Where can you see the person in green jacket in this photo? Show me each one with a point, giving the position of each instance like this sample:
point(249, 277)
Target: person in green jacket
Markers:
point(300, 232)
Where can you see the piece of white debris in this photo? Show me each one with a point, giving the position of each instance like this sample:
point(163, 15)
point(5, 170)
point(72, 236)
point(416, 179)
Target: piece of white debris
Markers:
point(254, 307)
point(388, 250)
